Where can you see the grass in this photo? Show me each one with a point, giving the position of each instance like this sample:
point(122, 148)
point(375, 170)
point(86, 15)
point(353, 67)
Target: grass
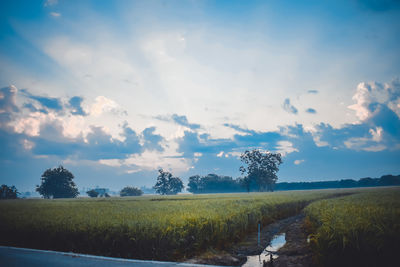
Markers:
point(162, 228)
point(358, 230)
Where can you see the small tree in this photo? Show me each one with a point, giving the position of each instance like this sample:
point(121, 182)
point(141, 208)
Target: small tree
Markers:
point(130, 191)
point(167, 184)
point(261, 169)
point(57, 183)
point(8, 192)
point(92, 193)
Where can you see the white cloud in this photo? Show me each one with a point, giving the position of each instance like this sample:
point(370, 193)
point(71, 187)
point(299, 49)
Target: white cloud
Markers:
point(370, 93)
point(50, 3)
point(375, 148)
point(30, 124)
point(298, 161)
point(376, 134)
point(55, 14)
point(286, 147)
point(111, 162)
point(198, 154)
point(28, 145)
point(234, 154)
point(150, 160)
point(102, 105)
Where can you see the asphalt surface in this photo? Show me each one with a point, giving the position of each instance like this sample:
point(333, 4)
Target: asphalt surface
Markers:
point(17, 257)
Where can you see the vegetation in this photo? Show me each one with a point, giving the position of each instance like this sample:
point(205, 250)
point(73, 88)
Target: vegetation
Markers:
point(261, 169)
point(92, 193)
point(163, 227)
point(357, 230)
point(130, 191)
point(213, 183)
point(385, 180)
point(57, 183)
point(168, 184)
point(8, 192)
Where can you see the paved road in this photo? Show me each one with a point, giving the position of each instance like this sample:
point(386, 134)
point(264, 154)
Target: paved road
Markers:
point(18, 257)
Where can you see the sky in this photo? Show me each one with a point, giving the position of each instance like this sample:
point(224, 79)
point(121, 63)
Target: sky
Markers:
point(115, 90)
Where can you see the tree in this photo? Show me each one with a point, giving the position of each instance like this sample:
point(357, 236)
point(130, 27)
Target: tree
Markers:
point(261, 169)
point(194, 184)
point(57, 183)
point(92, 193)
point(130, 191)
point(167, 184)
point(8, 192)
point(246, 183)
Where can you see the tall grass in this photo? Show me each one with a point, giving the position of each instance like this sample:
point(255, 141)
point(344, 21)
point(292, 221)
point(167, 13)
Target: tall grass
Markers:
point(163, 228)
point(357, 230)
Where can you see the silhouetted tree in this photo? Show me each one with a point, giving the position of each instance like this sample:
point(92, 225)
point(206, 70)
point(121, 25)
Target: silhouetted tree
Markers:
point(167, 184)
point(130, 191)
point(8, 192)
point(194, 184)
point(57, 183)
point(213, 183)
point(246, 183)
point(92, 193)
point(261, 168)
point(389, 180)
point(368, 181)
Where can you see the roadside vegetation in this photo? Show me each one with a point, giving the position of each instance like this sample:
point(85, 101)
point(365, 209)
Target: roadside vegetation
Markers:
point(358, 230)
point(162, 228)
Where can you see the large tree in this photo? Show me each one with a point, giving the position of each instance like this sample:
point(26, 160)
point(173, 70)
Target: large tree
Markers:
point(8, 192)
point(261, 169)
point(57, 183)
point(167, 184)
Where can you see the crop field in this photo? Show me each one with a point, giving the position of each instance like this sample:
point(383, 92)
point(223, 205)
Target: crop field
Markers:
point(148, 227)
point(357, 230)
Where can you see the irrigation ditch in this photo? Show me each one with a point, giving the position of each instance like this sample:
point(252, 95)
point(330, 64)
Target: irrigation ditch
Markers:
point(284, 240)
point(282, 244)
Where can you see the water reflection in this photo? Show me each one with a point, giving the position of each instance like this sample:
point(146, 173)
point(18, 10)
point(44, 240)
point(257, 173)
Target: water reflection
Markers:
point(276, 243)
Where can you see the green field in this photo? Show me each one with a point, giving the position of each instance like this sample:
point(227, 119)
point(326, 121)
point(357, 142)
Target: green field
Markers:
point(163, 228)
point(358, 230)
point(178, 227)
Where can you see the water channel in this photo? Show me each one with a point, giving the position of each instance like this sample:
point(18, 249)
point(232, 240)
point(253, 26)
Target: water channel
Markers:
point(258, 260)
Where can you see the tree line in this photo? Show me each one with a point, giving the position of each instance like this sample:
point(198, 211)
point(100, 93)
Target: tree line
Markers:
point(259, 173)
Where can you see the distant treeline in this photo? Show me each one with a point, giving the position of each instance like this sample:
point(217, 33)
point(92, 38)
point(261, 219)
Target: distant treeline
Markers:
point(213, 183)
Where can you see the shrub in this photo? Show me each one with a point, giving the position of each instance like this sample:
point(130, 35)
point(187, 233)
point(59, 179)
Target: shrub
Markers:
point(130, 191)
point(92, 193)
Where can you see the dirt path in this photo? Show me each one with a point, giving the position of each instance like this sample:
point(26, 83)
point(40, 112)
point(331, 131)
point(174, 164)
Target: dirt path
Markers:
point(294, 251)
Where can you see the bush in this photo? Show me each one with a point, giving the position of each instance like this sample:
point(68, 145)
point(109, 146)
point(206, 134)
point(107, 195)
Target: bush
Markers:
point(130, 191)
point(92, 193)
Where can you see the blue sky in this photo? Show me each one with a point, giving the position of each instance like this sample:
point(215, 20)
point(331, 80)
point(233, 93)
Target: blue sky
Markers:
point(114, 90)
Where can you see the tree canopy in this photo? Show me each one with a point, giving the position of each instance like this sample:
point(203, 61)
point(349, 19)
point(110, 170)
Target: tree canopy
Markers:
point(130, 191)
point(261, 169)
point(167, 184)
point(213, 183)
point(8, 192)
point(57, 183)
